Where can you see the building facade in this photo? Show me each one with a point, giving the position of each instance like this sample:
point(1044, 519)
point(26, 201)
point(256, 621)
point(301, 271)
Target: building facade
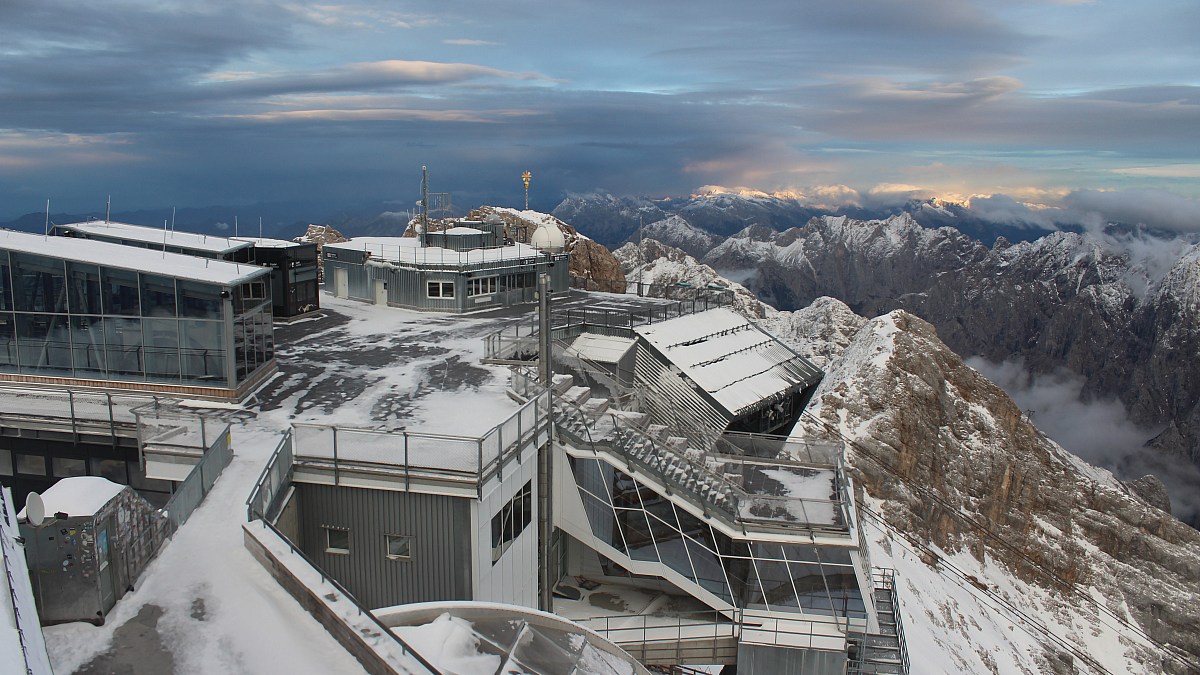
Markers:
point(460, 270)
point(87, 313)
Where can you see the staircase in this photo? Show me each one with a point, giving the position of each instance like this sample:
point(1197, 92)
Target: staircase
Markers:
point(884, 652)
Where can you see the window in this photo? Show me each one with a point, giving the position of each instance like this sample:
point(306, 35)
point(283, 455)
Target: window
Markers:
point(440, 289)
point(6, 463)
point(511, 521)
point(33, 465)
point(481, 286)
point(337, 540)
point(69, 466)
point(399, 546)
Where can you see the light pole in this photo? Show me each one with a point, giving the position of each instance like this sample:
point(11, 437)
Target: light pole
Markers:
point(525, 179)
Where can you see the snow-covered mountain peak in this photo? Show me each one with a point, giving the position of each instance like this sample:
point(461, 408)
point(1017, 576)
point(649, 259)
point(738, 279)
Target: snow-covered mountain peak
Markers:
point(1049, 555)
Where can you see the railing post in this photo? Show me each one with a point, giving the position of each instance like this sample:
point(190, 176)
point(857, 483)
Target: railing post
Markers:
point(335, 456)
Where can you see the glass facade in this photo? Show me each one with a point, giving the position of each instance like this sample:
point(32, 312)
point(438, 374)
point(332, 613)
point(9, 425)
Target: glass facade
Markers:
point(75, 319)
point(642, 524)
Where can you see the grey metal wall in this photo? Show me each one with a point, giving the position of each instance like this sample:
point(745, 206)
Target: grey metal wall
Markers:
point(406, 287)
point(440, 567)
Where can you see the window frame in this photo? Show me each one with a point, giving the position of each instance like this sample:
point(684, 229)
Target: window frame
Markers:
point(408, 539)
point(442, 287)
point(329, 546)
point(483, 286)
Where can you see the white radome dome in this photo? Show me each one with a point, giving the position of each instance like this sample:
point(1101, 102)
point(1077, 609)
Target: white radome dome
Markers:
point(548, 239)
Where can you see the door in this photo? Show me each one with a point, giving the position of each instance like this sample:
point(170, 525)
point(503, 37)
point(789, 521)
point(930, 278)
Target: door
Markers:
point(381, 297)
point(341, 283)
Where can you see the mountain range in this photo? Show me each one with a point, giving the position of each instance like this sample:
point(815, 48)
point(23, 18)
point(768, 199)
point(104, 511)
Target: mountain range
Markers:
point(1117, 311)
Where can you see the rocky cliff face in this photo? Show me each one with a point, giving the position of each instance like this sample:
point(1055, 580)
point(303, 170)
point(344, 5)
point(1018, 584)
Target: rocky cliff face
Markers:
point(1122, 314)
point(321, 235)
point(663, 271)
point(964, 480)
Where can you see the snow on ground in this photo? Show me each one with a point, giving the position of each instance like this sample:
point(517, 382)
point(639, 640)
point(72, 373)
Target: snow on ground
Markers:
point(221, 611)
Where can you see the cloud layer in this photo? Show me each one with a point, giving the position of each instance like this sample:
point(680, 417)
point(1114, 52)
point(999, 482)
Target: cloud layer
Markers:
point(1099, 432)
point(173, 102)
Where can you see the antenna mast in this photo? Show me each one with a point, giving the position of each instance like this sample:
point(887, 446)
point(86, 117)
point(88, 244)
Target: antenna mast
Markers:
point(47, 217)
point(107, 209)
point(525, 179)
point(424, 206)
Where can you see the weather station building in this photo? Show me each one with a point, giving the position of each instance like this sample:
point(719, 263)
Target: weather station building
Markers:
point(293, 264)
point(467, 267)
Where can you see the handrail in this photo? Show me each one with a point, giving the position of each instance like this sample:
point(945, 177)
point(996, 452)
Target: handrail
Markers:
point(404, 646)
point(12, 586)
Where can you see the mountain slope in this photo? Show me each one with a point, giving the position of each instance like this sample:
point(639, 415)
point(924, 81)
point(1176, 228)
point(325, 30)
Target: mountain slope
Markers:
point(953, 467)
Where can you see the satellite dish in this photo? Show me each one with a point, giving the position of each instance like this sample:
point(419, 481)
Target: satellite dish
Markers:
point(35, 509)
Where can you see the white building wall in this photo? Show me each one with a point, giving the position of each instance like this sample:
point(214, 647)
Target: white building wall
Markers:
point(514, 577)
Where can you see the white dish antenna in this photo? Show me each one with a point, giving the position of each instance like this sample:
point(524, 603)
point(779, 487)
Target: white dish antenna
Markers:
point(35, 509)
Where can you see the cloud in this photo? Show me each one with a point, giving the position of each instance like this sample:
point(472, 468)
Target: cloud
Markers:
point(1005, 210)
point(1099, 432)
point(1156, 208)
point(470, 43)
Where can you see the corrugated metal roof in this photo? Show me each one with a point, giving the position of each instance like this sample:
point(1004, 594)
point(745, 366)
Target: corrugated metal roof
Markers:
point(734, 361)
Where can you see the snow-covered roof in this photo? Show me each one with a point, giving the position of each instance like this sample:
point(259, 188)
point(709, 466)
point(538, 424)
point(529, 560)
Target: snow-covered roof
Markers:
point(600, 348)
point(107, 254)
point(486, 637)
point(157, 235)
point(463, 230)
point(261, 242)
point(21, 643)
point(731, 359)
point(79, 495)
point(409, 250)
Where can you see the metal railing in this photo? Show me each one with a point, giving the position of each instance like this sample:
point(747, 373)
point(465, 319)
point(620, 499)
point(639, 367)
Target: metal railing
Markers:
point(405, 648)
point(68, 407)
point(673, 638)
point(19, 622)
point(200, 480)
point(272, 483)
point(504, 344)
point(412, 453)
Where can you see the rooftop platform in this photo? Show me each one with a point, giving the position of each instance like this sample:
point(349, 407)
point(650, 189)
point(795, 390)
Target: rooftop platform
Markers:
point(176, 265)
point(157, 236)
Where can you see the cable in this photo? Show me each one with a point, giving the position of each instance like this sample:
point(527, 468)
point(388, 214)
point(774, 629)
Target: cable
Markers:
point(954, 511)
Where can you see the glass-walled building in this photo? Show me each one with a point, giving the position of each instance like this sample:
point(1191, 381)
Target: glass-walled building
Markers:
point(89, 313)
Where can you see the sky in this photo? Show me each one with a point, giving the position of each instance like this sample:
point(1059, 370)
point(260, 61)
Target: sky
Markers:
point(162, 102)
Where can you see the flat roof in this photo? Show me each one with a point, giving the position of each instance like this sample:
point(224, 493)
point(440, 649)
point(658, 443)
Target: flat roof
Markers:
point(156, 235)
point(409, 250)
point(266, 242)
point(120, 256)
point(729, 357)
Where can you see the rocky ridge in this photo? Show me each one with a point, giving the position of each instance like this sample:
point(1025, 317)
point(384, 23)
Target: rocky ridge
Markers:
point(956, 470)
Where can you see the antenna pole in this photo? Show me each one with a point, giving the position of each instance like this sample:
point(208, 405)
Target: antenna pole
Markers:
point(47, 217)
point(260, 228)
point(235, 226)
point(172, 218)
point(641, 255)
point(107, 209)
point(424, 207)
